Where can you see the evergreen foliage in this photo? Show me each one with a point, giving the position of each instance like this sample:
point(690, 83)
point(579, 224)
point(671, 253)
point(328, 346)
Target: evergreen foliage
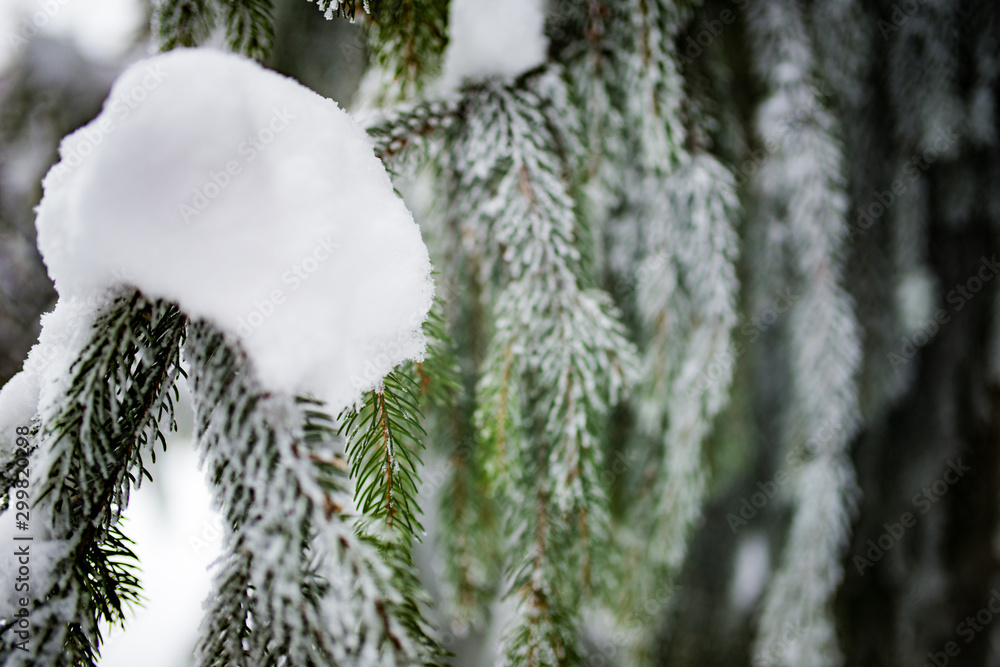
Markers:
point(88, 453)
point(248, 24)
point(596, 251)
point(384, 438)
point(557, 358)
point(296, 556)
point(807, 201)
point(297, 582)
point(183, 22)
point(406, 135)
point(408, 38)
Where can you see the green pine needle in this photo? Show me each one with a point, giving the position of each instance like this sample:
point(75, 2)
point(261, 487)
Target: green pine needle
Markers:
point(383, 445)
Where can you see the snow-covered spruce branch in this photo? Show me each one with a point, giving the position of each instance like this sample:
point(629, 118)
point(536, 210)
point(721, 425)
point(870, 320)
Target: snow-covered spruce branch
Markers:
point(249, 24)
point(342, 8)
point(385, 436)
point(622, 67)
point(183, 22)
point(593, 36)
point(655, 84)
point(469, 540)
point(470, 533)
point(803, 179)
point(669, 211)
point(90, 447)
point(687, 305)
point(383, 444)
point(438, 375)
point(408, 38)
point(557, 359)
point(653, 135)
point(411, 131)
point(687, 302)
point(468, 523)
point(297, 583)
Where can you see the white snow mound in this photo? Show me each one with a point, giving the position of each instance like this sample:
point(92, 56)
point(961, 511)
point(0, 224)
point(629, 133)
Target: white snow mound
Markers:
point(252, 202)
point(493, 39)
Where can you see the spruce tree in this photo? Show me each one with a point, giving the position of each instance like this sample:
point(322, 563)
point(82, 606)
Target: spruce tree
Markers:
point(687, 259)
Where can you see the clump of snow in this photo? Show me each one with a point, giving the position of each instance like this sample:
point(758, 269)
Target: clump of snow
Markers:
point(493, 39)
point(64, 333)
point(18, 402)
point(253, 202)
